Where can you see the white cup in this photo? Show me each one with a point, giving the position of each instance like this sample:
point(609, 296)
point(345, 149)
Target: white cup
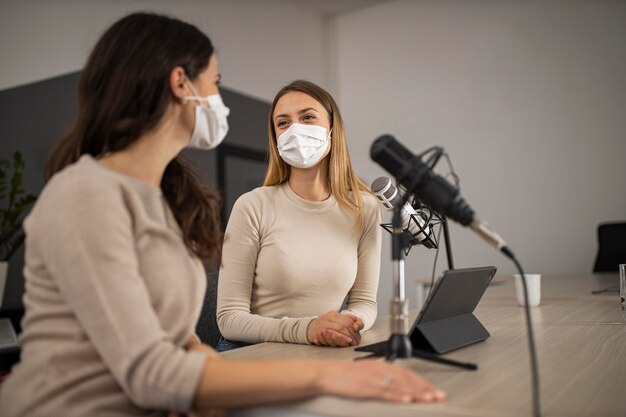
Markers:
point(533, 286)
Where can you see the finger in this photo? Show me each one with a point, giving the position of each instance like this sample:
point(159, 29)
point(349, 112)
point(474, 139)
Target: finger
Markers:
point(331, 340)
point(322, 338)
point(340, 339)
point(358, 325)
point(398, 392)
point(421, 389)
point(346, 328)
point(339, 327)
point(396, 397)
point(353, 317)
point(355, 324)
point(440, 395)
point(356, 338)
point(354, 334)
point(344, 319)
point(326, 334)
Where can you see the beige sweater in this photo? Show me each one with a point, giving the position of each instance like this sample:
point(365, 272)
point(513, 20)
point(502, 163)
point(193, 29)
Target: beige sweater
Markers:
point(287, 260)
point(112, 294)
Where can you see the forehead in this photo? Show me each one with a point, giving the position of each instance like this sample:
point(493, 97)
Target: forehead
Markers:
point(213, 64)
point(294, 101)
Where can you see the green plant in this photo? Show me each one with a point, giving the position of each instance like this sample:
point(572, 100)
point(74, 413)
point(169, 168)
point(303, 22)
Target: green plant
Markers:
point(15, 201)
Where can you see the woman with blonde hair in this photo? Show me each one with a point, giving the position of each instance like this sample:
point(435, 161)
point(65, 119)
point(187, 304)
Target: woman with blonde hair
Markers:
point(308, 240)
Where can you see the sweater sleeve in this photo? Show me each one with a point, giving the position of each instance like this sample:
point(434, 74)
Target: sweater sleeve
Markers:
point(242, 242)
point(362, 295)
point(85, 235)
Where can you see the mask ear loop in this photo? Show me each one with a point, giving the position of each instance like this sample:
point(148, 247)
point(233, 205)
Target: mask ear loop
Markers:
point(197, 97)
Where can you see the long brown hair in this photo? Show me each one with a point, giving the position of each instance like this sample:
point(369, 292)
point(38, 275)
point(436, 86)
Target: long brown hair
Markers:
point(124, 92)
point(342, 180)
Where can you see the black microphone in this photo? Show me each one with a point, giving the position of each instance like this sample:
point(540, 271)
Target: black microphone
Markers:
point(415, 223)
point(432, 189)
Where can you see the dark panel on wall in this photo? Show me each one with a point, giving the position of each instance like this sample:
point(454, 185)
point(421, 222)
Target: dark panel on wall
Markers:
point(34, 116)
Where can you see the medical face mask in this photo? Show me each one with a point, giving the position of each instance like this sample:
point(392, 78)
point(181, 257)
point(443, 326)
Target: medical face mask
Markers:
point(302, 146)
point(211, 125)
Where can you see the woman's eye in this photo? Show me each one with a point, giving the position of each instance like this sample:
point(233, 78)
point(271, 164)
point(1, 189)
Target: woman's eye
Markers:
point(281, 123)
point(308, 117)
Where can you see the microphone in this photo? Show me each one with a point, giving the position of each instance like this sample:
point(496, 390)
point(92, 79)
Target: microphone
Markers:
point(432, 189)
point(418, 178)
point(414, 222)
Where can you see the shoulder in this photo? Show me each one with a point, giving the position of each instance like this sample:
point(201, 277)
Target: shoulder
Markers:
point(253, 205)
point(370, 203)
point(82, 183)
point(257, 197)
point(371, 206)
point(87, 190)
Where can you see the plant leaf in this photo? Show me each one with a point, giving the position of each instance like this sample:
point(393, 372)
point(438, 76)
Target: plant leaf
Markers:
point(15, 204)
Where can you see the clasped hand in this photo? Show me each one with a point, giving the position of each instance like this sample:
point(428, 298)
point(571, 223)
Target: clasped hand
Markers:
point(335, 329)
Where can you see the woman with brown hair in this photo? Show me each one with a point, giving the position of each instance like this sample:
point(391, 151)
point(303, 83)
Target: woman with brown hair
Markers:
point(115, 244)
point(307, 240)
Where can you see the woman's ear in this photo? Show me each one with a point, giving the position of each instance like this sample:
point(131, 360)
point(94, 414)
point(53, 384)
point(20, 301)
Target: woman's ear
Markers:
point(178, 84)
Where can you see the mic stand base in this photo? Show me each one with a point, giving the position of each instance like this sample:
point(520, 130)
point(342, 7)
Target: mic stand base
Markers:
point(399, 347)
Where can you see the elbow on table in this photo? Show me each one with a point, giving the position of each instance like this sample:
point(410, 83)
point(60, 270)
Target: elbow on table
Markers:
point(162, 378)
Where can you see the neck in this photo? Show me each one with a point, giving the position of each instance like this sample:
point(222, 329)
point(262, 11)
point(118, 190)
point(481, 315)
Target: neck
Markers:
point(147, 157)
point(311, 183)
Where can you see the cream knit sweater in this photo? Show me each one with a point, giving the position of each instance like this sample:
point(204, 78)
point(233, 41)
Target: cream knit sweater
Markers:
point(287, 260)
point(112, 294)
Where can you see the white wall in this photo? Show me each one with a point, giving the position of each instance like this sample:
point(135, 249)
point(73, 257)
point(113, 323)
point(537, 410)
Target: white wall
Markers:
point(262, 45)
point(528, 98)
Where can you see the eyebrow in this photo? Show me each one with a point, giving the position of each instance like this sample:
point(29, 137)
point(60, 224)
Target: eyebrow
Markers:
point(299, 111)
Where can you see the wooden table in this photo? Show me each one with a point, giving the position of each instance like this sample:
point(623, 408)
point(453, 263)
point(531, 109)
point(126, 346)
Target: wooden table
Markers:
point(581, 346)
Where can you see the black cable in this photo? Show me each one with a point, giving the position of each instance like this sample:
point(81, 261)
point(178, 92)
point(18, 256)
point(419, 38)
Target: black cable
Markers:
point(456, 179)
point(611, 289)
point(531, 338)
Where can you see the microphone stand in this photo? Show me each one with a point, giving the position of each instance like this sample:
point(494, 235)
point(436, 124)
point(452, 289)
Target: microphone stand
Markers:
point(399, 344)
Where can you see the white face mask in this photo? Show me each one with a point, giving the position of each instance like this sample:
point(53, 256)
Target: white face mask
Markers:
point(303, 146)
point(211, 125)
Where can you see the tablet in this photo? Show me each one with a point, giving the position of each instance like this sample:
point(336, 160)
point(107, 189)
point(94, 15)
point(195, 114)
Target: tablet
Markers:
point(446, 322)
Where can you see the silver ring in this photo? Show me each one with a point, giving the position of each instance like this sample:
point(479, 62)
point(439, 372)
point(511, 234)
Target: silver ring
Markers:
point(387, 382)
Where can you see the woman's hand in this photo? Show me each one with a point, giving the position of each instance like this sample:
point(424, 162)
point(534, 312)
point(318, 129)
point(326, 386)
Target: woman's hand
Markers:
point(193, 343)
point(335, 329)
point(377, 379)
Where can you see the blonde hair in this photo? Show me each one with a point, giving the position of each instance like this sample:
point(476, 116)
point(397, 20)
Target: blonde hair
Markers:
point(341, 177)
